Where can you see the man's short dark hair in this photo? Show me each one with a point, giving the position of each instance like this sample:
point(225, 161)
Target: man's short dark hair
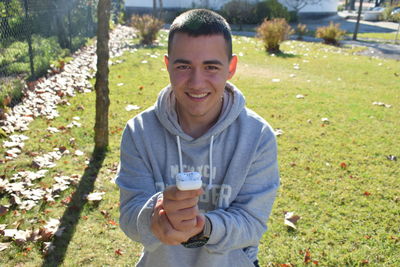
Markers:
point(198, 22)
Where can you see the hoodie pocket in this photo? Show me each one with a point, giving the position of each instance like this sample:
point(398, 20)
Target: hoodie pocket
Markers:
point(239, 258)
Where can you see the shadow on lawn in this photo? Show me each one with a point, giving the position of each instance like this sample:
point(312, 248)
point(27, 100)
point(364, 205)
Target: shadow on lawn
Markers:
point(285, 55)
point(71, 216)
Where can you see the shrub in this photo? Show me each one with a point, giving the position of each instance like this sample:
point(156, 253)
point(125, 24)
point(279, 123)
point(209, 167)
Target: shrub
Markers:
point(301, 30)
point(270, 9)
point(238, 12)
point(293, 16)
point(331, 34)
point(273, 33)
point(14, 58)
point(11, 91)
point(148, 27)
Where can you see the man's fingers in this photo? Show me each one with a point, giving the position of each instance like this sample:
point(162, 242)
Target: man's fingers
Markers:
point(173, 193)
point(183, 214)
point(174, 205)
point(170, 235)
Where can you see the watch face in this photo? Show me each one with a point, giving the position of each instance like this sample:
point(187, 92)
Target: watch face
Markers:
point(195, 243)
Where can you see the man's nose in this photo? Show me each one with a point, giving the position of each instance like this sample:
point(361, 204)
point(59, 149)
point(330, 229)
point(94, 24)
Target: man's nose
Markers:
point(196, 80)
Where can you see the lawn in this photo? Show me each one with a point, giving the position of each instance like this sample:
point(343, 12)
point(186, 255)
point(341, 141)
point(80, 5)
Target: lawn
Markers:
point(336, 159)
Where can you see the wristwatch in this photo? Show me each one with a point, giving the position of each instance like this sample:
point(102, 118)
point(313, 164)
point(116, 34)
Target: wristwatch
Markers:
point(200, 239)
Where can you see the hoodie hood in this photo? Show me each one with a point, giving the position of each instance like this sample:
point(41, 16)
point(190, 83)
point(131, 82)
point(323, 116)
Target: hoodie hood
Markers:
point(234, 103)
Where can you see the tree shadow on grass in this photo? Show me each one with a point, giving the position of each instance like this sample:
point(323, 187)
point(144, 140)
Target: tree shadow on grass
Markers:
point(285, 55)
point(71, 216)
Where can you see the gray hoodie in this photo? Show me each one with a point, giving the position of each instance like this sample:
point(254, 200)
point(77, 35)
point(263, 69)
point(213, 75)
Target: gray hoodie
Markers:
point(240, 150)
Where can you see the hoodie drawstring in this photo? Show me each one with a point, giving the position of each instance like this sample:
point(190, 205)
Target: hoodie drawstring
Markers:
point(209, 186)
point(178, 141)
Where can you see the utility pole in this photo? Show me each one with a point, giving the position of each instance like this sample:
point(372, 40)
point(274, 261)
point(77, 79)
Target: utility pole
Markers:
point(358, 21)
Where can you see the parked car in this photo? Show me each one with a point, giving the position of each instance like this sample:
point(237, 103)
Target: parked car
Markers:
point(395, 11)
point(374, 14)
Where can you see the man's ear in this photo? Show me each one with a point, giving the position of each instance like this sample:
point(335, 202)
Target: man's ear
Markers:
point(232, 66)
point(166, 60)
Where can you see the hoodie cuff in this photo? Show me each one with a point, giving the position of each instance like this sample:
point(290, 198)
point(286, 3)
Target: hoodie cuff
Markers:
point(218, 228)
point(146, 236)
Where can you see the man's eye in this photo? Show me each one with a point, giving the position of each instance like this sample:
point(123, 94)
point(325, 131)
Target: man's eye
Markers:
point(183, 67)
point(212, 68)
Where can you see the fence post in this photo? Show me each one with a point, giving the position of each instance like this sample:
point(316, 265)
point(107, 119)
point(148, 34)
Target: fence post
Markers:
point(69, 28)
point(29, 37)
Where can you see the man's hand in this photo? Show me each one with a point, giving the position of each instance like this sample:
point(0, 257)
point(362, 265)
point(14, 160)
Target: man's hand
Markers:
point(176, 217)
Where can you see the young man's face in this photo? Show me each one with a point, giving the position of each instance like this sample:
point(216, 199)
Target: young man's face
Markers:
point(198, 69)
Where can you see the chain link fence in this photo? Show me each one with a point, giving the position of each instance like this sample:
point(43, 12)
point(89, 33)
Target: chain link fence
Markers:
point(36, 33)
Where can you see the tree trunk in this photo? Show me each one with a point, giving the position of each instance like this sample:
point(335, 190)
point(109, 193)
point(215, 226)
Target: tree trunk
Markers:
point(101, 86)
point(60, 25)
point(352, 5)
point(160, 2)
point(154, 8)
point(358, 20)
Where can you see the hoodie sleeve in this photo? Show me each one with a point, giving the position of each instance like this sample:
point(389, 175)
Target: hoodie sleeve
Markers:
point(243, 223)
point(138, 194)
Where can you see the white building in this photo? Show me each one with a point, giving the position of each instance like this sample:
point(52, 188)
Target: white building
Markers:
point(325, 7)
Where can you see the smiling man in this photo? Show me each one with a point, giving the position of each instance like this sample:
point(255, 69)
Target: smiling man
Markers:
point(199, 125)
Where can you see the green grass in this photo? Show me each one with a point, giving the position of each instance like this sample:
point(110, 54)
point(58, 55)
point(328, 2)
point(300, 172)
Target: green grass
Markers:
point(375, 36)
point(341, 224)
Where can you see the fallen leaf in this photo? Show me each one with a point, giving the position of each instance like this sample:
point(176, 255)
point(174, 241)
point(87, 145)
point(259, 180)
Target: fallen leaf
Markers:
point(278, 132)
point(391, 157)
point(325, 120)
point(291, 219)
point(20, 235)
point(95, 196)
point(307, 256)
point(3, 210)
point(78, 153)
point(53, 130)
point(112, 222)
point(381, 104)
point(105, 213)
point(119, 252)
point(131, 107)
point(48, 247)
point(4, 246)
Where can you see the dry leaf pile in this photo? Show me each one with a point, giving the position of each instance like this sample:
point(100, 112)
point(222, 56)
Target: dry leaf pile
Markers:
point(40, 100)
point(42, 97)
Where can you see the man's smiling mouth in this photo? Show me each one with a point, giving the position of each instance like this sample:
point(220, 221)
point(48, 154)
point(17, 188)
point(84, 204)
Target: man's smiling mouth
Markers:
point(198, 96)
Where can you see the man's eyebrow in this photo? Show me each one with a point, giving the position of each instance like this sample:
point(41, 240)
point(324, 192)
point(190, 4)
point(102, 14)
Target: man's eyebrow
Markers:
point(212, 62)
point(206, 62)
point(181, 61)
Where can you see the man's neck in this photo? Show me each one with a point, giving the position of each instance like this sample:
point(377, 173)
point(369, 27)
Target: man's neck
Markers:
point(196, 127)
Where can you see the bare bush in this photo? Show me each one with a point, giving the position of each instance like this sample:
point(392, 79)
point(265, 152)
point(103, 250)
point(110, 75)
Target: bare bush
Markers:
point(148, 27)
point(273, 33)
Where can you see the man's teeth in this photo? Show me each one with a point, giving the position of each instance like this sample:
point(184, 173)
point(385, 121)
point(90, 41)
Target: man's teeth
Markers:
point(199, 95)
